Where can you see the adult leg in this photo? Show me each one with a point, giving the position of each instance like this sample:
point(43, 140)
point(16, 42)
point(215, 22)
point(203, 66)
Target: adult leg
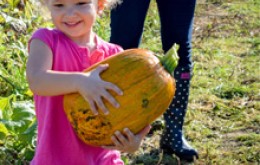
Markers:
point(127, 22)
point(176, 27)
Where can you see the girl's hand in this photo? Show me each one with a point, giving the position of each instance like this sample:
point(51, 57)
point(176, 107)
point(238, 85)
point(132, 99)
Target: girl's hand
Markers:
point(128, 142)
point(94, 89)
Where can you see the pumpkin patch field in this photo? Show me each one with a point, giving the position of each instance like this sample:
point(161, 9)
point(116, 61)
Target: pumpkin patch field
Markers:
point(223, 118)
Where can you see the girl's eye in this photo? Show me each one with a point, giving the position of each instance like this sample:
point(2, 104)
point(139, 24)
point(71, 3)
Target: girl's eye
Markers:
point(58, 5)
point(81, 3)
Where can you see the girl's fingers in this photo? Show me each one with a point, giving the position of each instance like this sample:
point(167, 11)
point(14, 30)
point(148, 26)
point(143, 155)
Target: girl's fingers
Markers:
point(109, 147)
point(117, 145)
point(110, 99)
point(92, 106)
point(127, 142)
point(116, 142)
point(144, 131)
point(101, 105)
point(129, 134)
point(101, 68)
point(121, 138)
point(114, 88)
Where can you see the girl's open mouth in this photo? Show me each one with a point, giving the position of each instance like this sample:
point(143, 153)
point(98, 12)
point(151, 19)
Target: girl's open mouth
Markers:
point(72, 24)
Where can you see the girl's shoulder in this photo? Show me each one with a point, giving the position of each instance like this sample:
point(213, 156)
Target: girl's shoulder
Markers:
point(48, 36)
point(46, 33)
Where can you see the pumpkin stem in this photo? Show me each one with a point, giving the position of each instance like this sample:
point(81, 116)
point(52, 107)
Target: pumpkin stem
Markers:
point(170, 59)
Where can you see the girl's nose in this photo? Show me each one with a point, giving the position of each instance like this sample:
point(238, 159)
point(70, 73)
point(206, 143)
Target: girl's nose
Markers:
point(71, 12)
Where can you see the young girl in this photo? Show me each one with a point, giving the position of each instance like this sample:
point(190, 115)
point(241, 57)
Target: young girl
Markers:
point(57, 58)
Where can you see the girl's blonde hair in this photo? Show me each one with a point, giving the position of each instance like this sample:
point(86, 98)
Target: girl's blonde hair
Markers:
point(104, 3)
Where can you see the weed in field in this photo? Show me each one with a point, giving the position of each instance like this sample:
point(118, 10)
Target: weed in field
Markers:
point(224, 106)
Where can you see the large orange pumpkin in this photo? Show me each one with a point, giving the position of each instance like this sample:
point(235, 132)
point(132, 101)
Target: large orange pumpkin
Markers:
point(148, 90)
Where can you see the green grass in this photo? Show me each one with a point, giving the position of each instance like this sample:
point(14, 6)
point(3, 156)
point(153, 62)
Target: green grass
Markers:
point(223, 120)
point(223, 117)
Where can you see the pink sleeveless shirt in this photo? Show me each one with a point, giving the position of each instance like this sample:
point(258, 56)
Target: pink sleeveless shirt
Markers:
point(57, 143)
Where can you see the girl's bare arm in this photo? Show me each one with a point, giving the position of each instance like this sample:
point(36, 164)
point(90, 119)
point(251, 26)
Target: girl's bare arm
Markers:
point(44, 81)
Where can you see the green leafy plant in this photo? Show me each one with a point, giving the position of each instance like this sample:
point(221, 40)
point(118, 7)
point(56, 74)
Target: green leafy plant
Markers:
point(223, 117)
point(17, 130)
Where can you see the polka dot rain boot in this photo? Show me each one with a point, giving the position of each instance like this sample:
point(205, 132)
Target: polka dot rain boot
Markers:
point(173, 141)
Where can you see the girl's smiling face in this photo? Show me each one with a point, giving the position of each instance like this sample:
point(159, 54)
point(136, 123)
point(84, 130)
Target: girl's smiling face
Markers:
point(75, 18)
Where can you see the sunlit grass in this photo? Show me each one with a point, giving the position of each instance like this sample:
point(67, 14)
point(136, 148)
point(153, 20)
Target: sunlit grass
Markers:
point(224, 105)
